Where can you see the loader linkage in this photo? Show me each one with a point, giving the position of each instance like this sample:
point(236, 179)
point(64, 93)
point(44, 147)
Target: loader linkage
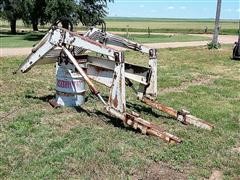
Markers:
point(111, 70)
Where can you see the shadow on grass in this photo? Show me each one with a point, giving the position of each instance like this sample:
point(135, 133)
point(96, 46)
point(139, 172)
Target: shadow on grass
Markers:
point(33, 36)
point(9, 33)
point(79, 109)
point(23, 32)
point(104, 116)
point(114, 121)
point(139, 108)
point(4, 36)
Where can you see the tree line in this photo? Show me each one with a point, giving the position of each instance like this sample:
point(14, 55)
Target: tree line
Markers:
point(40, 12)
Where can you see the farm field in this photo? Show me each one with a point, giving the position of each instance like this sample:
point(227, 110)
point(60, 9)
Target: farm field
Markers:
point(170, 25)
point(37, 141)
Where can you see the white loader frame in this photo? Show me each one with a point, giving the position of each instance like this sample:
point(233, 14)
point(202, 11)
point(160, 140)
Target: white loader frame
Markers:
point(111, 70)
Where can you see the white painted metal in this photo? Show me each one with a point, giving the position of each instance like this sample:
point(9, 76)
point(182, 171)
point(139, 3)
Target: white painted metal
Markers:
point(110, 39)
point(93, 34)
point(117, 98)
point(133, 72)
point(55, 38)
point(76, 40)
point(33, 58)
point(151, 91)
point(70, 86)
point(101, 75)
point(125, 43)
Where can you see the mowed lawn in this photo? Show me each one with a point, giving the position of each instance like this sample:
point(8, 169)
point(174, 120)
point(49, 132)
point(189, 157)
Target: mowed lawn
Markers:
point(37, 141)
point(20, 40)
point(31, 38)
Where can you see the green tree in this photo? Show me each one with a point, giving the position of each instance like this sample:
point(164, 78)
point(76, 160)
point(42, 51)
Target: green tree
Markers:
point(88, 12)
point(57, 9)
point(11, 10)
point(34, 13)
point(91, 12)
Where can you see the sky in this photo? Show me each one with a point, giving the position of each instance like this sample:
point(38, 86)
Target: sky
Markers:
point(174, 8)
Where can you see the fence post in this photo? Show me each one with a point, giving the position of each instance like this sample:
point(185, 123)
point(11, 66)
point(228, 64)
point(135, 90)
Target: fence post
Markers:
point(149, 32)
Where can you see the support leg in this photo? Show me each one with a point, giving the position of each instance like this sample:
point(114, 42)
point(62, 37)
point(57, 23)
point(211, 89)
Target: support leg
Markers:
point(151, 90)
point(117, 98)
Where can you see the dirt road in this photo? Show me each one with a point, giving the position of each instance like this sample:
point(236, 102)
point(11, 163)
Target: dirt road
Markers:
point(223, 39)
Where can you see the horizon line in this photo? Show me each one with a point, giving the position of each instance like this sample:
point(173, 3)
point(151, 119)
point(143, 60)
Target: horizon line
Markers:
point(168, 18)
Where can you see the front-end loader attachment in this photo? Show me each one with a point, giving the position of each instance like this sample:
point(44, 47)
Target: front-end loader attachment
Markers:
point(110, 69)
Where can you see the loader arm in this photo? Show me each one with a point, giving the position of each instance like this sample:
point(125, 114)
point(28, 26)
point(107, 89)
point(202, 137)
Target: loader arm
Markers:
point(38, 52)
point(125, 43)
point(57, 37)
point(110, 39)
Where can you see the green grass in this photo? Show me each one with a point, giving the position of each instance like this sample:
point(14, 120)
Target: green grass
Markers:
point(29, 39)
point(20, 40)
point(38, 142)
point(144, 38)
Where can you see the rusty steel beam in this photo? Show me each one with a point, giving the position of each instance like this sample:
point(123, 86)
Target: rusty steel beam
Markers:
point(144, 126)
point(170, 111)
point(54, 103)
point(182, 116)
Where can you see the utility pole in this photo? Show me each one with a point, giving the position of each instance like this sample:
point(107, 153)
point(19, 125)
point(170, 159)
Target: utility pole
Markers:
point(217, 25)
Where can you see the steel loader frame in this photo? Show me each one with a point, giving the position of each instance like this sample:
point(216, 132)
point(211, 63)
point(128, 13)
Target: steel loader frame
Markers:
point(111, 70)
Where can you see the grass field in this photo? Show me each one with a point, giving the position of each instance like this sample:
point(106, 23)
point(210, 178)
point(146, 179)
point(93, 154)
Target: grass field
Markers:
point(157, 25)
point(37, 141)
point(29, 39)
point(20, 40)
point(170, 25)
